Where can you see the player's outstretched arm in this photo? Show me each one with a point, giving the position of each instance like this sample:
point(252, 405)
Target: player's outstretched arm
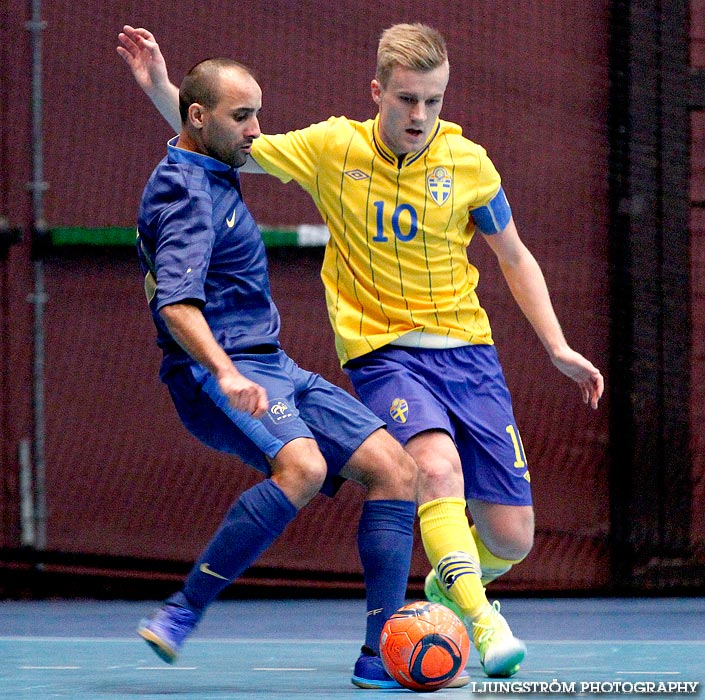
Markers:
point(528, 287)
point(140, 50)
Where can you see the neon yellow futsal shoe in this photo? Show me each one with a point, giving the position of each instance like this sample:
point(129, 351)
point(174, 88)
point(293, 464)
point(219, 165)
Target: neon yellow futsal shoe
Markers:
point(436, 593)
point(500, 651)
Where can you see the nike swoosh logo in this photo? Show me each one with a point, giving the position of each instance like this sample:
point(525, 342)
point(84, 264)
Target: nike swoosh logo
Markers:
point(230, 221)
point(206, 569)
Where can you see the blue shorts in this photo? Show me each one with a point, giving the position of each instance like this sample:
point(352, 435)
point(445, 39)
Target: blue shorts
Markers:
point(461, 391)
point(301, 404)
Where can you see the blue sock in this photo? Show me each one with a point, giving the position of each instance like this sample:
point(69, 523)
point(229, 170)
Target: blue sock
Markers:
point(255, 520)
point(385, 539)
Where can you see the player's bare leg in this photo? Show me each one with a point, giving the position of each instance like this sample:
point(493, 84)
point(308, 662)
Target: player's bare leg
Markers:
point(385, 541)
point(456, 578)
point(504, 536)
point(383, 467)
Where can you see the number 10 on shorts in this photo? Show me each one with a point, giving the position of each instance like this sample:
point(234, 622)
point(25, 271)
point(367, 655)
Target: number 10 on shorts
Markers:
point(519, 456)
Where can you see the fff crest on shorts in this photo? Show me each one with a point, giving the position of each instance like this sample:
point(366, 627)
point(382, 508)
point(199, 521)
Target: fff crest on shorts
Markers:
point(439, 184)
point(399, 410)
point(279, 410)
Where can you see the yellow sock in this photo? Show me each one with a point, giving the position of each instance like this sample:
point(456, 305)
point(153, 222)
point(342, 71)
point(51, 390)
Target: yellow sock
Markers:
point(492, 567)
point(451, 550)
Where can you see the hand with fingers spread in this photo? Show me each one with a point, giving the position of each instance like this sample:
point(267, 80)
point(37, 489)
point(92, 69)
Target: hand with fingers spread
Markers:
point(140, 51)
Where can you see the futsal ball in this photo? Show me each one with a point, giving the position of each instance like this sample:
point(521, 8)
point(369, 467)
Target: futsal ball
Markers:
point(424, 646)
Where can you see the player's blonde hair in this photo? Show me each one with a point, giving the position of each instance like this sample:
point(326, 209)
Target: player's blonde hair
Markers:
point(415, 46)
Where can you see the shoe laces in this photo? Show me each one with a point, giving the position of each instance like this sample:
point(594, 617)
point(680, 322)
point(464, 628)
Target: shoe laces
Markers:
point(489, 624)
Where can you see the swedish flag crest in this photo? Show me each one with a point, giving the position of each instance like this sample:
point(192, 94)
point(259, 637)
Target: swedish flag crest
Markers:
point(439, 184)
point(399, 410)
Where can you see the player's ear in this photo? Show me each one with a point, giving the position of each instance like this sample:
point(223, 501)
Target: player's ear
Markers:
point(376, 90)
point(195, 115)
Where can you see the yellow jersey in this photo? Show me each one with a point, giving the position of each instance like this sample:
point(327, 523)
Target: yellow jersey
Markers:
point(396, 262)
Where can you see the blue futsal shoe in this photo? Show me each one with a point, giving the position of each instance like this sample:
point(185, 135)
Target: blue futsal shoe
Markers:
point(166, 630)
point(369, 673)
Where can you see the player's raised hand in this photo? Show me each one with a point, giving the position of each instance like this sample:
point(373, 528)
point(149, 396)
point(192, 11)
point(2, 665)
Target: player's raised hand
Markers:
point(584, 373)
point(140, 50)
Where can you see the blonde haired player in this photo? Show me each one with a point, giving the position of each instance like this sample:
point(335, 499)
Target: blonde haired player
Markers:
point(403, 195)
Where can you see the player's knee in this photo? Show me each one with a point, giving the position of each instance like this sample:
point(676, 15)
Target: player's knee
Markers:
point(395, 471)
point(439, 478)
point(513, 541)
point(300, 473)
point(520, 546)
point(524, 536)
point(402, 472)
point(310, 473)
point(438, 470)
point(385, 468)
point(436, 456)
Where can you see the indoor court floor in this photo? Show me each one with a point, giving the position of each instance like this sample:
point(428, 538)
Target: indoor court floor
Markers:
point(305, 649)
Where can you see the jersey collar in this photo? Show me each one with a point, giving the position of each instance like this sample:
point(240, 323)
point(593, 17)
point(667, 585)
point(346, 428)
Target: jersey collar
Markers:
point(408, 158)
point(181, 155)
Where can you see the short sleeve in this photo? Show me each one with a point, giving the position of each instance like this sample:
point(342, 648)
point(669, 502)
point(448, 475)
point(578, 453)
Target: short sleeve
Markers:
point(491, 211)
point(183, 249)
point(494, 216)
point(294, 155)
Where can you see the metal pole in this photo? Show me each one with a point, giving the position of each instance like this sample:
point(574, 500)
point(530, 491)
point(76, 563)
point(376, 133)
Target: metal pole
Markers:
point(27, 515)
point(38, 299)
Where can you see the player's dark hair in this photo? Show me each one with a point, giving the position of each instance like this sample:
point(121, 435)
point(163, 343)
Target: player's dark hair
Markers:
point(202, 82)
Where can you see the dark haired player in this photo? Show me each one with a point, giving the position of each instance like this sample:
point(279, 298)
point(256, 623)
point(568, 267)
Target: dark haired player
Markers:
point(403, 195)
point(233, 386)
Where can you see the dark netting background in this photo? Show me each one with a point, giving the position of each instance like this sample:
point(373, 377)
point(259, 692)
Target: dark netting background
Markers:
point(528, 81)
point(697, 249)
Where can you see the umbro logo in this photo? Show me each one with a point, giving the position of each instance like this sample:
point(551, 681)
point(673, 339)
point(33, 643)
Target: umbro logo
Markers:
point(356, 174)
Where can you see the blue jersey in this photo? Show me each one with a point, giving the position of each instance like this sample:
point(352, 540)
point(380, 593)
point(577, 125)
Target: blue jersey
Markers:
point(197, 242)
